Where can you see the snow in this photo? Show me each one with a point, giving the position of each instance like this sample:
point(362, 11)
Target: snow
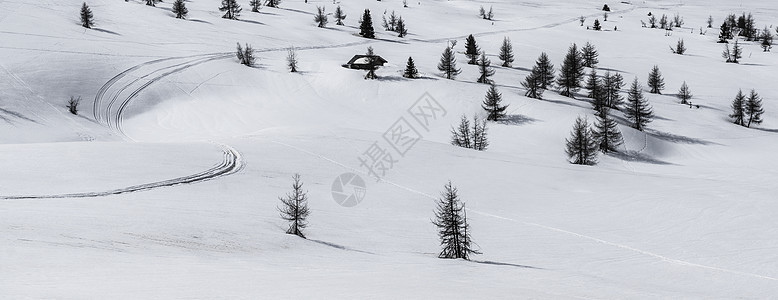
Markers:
point(688, 211)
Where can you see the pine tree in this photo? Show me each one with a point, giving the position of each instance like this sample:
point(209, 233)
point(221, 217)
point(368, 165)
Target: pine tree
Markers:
point(606, 132)
point(545, 71)
point(655, 81)
point(179, 8)
point(767, 39)
point(256, 5)
point(638, 112)
point(589, 55)
point(392, 22)
point(652, 21)
point(684, 94)
point(294, 208)
point(710, 21)
point(680, 48)
point(448, 64)
point(152, 2)
point(320, 17)
point(533, 83)
point(725, 32)
point(581, 148)
point(471, 50)
point(87, 18)
point(400, 28)
point(410, 69)
point(506, 52)
point(484, 67)
point(663, 22)
point(372, 66)
point(753, 109)
point(738, 109)
point(612, 85)
point(492, 101)
point(593, 85)
point(291, 59)
point(597, 25)
point(339, 16)
point(461, 136)
point(734, 55)
point(453, 230)
point(272, 3)
point(231, 8)
point(366, 26)
point(571, 73)
point(479, 134)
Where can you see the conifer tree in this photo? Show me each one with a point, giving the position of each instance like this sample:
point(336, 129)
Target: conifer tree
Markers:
point(453, 230)
point(294, 208)
point(725, 32)
point(372, 65)
point(581, 148)
point(87, 18)
point(246, 56)
point(738, 109)
point(612, 85)
point(753, 109)
point(479, 134)
point(272, 3)
point(593, 85)
point(589, 55)
point(461, 136)
point(471, 50)
point(570, 73)
point(152, 2)
point(448, 64)
point(484, 67)
point(410, 69)
point(638, 111)
point(606, 132)
point(545, 71)
point(710, 21)
point(291, 59)
point(684, 94)
point(400, 28)
point(533, 83)
point(492, 104)
point(339, 16)
point(256, 5)
point(320, 17)
point(680, 48)
point(767, 39)
point(597, 25)
point(506, 52)
point(366, 26)
point(231, 9)
point(179, 8)
point(655, 81)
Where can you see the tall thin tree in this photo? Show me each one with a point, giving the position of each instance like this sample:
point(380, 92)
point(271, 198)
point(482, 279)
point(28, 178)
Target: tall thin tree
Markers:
point(606, 132)
point(485, 69)
point(320, 17)
point(493, 104)
point(753, 109)
point(87, 18)
point(453, 230)
point(471, 50)
point(571, 72)
point(684, 94)
point(506, 52)
point(738, 109)
point(581, 147)
point(655, 81)
point(294, 208)
point(339, 16)
point(545, 71)
point(366, 25)
point(448, 64)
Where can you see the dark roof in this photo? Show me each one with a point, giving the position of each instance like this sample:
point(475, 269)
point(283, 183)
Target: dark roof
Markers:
point(355, 60)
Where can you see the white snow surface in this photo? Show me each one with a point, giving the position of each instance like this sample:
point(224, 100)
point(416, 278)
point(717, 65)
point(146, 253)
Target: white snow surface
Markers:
point(689, 211)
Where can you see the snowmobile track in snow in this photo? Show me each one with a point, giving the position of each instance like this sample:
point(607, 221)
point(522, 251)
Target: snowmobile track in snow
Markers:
point(231, 163)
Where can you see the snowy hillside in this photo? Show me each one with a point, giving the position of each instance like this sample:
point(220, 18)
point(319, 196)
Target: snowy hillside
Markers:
point(166, 183)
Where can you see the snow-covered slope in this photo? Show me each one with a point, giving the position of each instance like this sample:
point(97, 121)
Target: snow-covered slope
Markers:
point(188, 151)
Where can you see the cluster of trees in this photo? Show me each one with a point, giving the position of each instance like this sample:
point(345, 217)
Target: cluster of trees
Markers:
point(396, 24)
point(470, 135)
point(747, 110)
point(245, 55)
point(665, 22)
point(486, 15)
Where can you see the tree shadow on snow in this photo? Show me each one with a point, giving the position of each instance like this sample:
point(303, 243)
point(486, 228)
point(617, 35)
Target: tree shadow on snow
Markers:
point(16, 115)
point(767, 130)
point(106, 31)
point(495, 263)
point(516, 120)
point(251, 22)
point(336, 246)
point(635, 156)
point(674, 138)
point(200, 21)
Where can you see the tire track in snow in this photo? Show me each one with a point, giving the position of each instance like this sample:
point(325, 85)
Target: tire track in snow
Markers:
point(549, 228)
point(231, 163)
